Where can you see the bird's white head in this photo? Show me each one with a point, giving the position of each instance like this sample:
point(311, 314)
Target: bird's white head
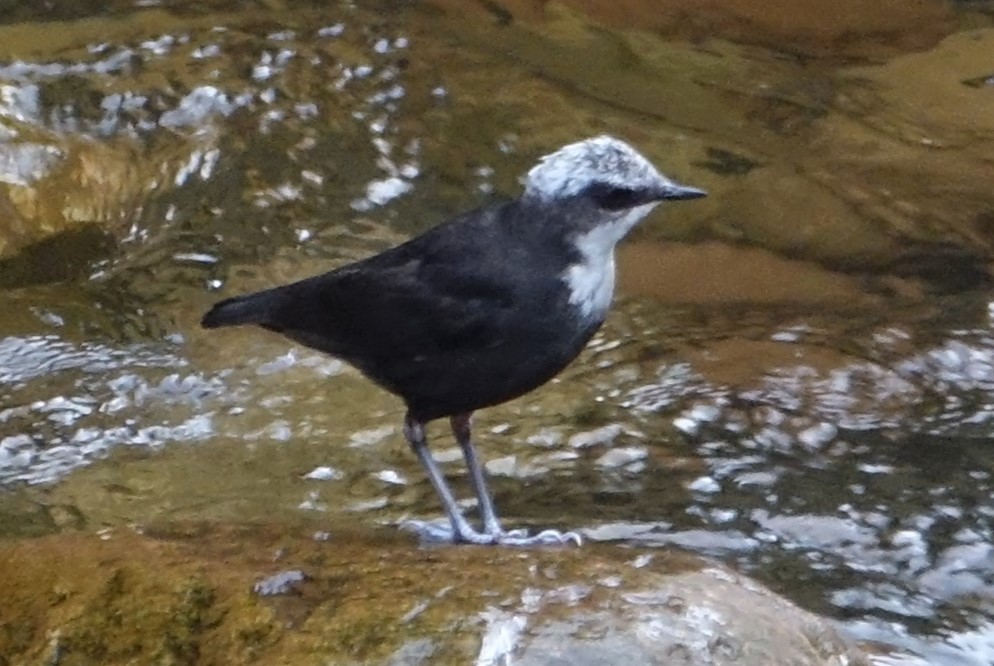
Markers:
point(610, 187)
point(606, 169)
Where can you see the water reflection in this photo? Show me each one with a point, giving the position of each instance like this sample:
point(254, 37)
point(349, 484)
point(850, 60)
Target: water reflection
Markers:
point(60, 397)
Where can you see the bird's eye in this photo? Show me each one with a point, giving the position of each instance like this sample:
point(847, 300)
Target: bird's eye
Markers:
point(614, 198)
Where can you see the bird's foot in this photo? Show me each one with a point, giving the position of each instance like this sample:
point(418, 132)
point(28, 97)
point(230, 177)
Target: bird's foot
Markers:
point(442, 532)
point(544, 538)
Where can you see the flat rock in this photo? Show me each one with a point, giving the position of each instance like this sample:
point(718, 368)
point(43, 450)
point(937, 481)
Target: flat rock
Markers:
point(179, 592)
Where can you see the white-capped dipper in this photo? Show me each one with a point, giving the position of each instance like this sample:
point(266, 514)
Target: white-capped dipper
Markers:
point(478, 310)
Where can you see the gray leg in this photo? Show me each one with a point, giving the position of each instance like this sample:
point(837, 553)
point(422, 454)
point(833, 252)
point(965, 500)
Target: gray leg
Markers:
point(491, 524)
point(414, 431)
point(461, 429)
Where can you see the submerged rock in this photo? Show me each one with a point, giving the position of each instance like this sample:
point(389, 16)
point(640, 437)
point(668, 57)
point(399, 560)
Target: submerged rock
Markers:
point(284, 582)
point(180, 595)
point(843, 30)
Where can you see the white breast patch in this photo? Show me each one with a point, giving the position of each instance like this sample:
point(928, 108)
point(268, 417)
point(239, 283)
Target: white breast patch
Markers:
point(591, 285)
point(591, 280)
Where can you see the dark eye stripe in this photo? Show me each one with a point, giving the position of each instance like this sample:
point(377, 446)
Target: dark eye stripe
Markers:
point(609, 197)
point(618, 198)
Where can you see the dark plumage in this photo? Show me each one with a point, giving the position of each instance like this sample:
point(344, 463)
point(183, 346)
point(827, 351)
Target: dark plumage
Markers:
point(480, 309)
point(438, 320)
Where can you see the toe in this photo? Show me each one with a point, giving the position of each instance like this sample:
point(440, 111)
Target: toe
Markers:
point(544, 538)
point(555, 537)
point(439, 532)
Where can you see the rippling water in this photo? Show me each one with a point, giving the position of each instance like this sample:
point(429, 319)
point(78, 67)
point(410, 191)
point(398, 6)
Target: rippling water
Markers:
point(797, 381)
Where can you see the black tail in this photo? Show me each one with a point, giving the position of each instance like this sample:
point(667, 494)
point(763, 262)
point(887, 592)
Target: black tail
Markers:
point(249, 309)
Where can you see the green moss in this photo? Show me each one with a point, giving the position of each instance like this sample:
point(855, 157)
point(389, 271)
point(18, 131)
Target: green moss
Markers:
point(92, 633)
point(191, 615)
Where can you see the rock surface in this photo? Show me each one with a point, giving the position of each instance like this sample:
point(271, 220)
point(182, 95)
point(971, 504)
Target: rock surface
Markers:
point(844, 29)
point(185, 595)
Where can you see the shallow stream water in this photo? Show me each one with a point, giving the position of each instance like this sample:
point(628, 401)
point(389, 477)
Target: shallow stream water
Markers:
point(796, 377)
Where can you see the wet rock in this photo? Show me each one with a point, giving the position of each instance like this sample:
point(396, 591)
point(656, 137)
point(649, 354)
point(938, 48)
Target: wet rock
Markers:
point(852, 28)
point(686, 425)
point(622, 456)
point(503, 466)
point(704, 484)
point(818, 435)
point(180, 592)
point(687, 621)
point(391, 477)
point(691, 420)
point(415, 653)
point(325, 473)
point(371, 436)
point(546, 438)
point(601, 436)
point(82, 183)
point(283, 582)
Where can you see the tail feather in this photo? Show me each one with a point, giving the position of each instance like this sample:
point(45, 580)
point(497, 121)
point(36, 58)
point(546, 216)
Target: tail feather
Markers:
point(249, 309)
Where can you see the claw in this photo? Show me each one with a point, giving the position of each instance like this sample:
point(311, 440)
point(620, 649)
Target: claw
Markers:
point(515, 534)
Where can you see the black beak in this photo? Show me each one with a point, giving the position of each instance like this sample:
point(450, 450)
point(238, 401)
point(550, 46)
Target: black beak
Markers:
point(677, 192)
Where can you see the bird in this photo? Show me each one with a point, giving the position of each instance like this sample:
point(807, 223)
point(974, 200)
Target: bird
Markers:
point(480, 309)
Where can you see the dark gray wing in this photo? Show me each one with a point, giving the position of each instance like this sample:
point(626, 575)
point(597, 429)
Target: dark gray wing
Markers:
point(396, 311)
point(449, 289)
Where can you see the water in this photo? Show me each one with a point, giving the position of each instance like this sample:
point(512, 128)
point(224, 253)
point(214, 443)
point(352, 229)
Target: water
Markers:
point(796, 380)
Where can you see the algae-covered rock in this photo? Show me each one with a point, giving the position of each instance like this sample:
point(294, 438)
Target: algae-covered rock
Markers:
point(845, 29)
point(188, 595)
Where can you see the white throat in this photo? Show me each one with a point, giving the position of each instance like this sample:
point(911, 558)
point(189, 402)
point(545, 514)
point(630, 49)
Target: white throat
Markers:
point(591, 280)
